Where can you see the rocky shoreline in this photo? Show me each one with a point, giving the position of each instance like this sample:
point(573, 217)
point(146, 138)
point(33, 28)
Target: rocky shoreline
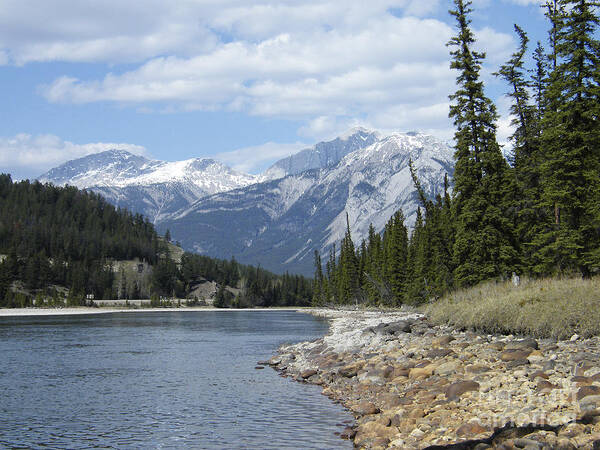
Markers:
point(413, 385)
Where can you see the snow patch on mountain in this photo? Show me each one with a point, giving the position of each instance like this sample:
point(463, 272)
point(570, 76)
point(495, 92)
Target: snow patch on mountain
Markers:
point(279, 223)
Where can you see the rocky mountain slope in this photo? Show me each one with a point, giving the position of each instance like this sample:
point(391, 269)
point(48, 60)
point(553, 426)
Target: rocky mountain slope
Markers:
point(279, 218)
point(153, 188)
point(279, 223)
point(324, 154)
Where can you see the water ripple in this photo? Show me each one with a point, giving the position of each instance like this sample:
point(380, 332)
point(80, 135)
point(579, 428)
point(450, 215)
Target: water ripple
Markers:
point(161, 380)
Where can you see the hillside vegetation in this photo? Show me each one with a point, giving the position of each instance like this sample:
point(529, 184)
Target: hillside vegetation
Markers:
point(60, 241)
point(557, 308)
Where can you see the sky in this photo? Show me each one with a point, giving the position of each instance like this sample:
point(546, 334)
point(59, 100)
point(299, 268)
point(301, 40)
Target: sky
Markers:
point(246, 83)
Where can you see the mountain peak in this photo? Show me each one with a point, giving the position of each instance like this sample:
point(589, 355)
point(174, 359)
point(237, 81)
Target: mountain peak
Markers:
point(324, 154)
point(354, 131)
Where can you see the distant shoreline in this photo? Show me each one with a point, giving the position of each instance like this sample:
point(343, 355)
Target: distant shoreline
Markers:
point(34, 312)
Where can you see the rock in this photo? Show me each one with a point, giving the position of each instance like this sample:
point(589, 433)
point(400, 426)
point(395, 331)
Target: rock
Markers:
point(571, 430)
point(517, 363)
point(348, 433)
point(574, 338)
point(590, 406)
point(393, 328)
point(263, 363)
point(308, 373)
point(439, 353)
point(527, 444)
point(447, 368)
point(539, 374)
point(455, 390)
point(389, 401)
point(586, 391)
point(274, 361)
point(421, 372)
point(582, 381)
point(442, 340)
point(259, 367)
point(349, 371)
point(417, 434)
point(470, 429)
point(523, 344)
point(401, 372)
point(478, 368)
point(545, 386)
point(498, 346)
point(515, 354)
point(370, 431)
point(365, 409)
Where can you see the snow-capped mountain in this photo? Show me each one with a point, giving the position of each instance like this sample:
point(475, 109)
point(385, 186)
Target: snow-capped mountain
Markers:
point(153, 188)
point(279, 223)
point(323, 154)
point(279, 218)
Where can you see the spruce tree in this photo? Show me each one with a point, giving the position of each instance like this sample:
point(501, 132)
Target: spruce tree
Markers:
point(397, 257)
point(348, 268)
point(484, 246)
point(570, 143)
point(318, 281)
point(417, 291)
point(525, 142)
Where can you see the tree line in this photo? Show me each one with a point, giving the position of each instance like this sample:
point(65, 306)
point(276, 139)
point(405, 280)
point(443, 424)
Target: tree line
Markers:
point(536, 212)
point(58, 242)
point(60, 236)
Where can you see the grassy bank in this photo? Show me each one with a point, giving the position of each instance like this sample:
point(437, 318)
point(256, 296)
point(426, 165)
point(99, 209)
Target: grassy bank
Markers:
point(555, 308)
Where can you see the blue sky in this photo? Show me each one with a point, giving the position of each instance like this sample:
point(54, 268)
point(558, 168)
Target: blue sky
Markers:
point(244, 82)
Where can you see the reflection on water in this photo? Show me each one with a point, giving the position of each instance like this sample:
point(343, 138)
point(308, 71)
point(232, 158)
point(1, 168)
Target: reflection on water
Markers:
point(172, 379)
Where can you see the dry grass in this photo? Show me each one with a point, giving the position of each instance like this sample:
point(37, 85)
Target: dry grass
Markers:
point(555, 308)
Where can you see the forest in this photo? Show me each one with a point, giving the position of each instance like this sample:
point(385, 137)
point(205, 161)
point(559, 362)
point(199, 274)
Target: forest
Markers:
point(535, 213)
point(62, 246)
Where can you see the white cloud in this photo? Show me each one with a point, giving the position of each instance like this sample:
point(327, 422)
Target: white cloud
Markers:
point(256, 158)
point(29, 156)
point(326, 63)
point(387, 64)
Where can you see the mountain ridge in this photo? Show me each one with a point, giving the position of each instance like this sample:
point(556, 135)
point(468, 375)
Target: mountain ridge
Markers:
point(278, 219)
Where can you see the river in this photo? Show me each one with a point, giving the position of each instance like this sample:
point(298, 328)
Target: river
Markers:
point(159, 380)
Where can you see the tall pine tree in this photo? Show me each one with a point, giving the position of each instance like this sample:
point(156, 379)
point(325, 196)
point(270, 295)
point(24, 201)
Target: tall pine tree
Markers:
point(570, 142)
point(485, 242)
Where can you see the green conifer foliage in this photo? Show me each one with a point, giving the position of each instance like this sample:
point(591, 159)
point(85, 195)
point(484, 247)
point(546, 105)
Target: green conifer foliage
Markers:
point(396, 257)
point(484, 246)
point(570, 143)
point(348, 282)
point(318, 297)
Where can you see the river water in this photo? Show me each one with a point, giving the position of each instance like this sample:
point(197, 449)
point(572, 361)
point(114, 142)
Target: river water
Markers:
point(159, 380)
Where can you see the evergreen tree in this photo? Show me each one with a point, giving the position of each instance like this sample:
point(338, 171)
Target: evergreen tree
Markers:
point(570, 142)
point(525, 141)
point(396, 258)
point(484, 246)
point(348, 268)
point(417, 291)
point(318, 281)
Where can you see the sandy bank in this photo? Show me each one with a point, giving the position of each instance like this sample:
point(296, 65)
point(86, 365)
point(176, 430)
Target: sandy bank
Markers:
point(15, 312)
point(414, 385)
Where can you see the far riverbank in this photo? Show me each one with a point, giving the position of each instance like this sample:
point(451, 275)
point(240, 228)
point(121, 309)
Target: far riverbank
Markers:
point(18, 312)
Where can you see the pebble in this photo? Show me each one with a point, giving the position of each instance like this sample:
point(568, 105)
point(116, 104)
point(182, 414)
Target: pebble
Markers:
point(412, 385)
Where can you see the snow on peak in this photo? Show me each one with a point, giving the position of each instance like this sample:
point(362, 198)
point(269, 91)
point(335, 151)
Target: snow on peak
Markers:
point(119, 168)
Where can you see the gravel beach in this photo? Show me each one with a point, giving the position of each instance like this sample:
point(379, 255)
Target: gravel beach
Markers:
point(413, 385)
